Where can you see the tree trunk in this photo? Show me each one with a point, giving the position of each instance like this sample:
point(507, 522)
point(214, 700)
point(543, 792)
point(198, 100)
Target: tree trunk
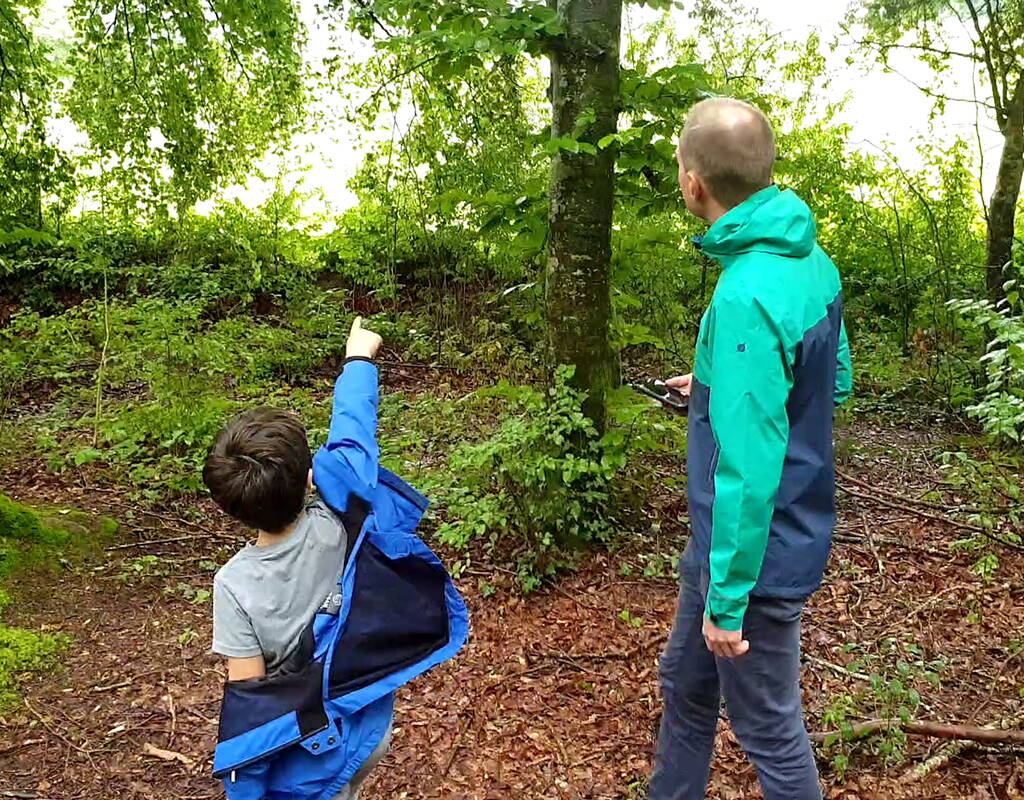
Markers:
point(1002, 207)
point(585, 106)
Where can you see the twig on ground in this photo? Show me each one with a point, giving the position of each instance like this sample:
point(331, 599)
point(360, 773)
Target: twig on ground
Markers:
point(148, 542)
point(934, 517)
point(55, 732)
point(112, 686)
point(838, 669)
point(869, 537)
point(937, 730)
point(19, 745)
point(174, 720)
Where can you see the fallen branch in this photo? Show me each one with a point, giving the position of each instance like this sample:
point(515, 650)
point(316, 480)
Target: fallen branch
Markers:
point(934, 517)
point(937, 730)
point(953, 749)
point(917, 501)
point(53, 731)
point(838, 669)
point(148, 542)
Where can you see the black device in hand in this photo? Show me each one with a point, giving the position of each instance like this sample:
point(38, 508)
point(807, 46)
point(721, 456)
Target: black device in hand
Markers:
point(671, 399)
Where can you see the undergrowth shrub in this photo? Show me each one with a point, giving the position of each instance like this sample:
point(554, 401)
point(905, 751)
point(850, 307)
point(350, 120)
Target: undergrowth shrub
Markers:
point(1001, 407)
point(545, 483)
point(24, 651)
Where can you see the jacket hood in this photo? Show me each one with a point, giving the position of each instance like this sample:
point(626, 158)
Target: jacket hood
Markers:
point(770, 221)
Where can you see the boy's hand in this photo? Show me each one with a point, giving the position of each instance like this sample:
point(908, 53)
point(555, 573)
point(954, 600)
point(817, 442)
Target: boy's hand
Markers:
point(361, 342)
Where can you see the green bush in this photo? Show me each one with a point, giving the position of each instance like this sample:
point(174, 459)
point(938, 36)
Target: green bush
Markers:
point(1001, 408)
point(542, 480)
point(546, 483)
point(28, 539)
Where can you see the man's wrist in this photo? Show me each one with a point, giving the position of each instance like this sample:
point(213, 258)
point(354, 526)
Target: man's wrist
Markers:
point(358, 357)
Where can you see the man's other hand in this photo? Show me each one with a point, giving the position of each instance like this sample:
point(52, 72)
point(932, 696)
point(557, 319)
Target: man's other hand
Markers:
point(724, 644)
point(681, 383)
point(361, 342)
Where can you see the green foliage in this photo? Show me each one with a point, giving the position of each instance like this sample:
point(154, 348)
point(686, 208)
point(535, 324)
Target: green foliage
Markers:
point(179, 98)
point(24, 651)
point(31, 168)
point(541, 481)
point(899, 672)
point(545, 485)
point(29, 538)
point(1001, 408)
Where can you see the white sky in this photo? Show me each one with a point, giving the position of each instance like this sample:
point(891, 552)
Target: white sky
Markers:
point(884, 110)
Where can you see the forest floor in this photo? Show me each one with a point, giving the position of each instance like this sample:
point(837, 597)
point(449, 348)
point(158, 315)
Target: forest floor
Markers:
point(556, 695)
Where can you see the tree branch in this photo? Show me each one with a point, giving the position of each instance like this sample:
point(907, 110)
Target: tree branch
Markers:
point(937, 730)
point(920, 48)
point(363, 4)
point(989, 65)
point(938, 96)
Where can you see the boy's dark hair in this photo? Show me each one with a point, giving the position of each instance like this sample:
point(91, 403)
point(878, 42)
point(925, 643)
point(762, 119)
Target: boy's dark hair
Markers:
point(257, 469)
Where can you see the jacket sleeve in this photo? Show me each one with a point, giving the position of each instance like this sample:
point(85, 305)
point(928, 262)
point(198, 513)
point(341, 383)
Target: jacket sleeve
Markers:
point(348, 463)
point(750, 384)
point(844, 369)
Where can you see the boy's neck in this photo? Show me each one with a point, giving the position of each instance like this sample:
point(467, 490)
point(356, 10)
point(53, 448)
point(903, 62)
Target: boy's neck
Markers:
point(264, 539)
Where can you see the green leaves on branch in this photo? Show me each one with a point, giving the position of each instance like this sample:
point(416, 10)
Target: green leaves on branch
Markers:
point(1001, 409)
point(541, 482)
point(180, 97)
point(463, 34)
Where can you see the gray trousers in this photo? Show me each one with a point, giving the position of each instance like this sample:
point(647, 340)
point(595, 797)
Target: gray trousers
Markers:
point(762, 698)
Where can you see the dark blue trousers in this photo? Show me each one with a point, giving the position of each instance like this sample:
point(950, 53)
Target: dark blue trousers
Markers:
point(762, 698)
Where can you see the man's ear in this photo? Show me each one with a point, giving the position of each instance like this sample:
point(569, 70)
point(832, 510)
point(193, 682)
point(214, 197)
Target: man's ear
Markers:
point(698, 192)
point(309, 481)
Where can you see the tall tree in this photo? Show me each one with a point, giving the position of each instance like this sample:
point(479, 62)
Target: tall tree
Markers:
point(585, 109)
point(995, 32)
point(581, 38)
point(444, 42)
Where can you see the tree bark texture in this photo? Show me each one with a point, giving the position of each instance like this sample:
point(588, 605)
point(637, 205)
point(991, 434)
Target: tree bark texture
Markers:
point(1002, 207)
point(585, 106)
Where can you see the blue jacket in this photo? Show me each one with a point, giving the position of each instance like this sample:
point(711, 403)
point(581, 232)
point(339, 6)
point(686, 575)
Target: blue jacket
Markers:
point(304, 734)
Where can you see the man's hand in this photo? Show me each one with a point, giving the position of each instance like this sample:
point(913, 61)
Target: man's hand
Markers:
point(361, 342)
point(724, 644)
point(681, 383)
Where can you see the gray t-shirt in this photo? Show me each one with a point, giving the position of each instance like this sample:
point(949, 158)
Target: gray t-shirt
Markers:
point(264, 598)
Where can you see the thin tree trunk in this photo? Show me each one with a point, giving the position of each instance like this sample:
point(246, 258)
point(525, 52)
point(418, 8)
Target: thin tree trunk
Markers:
point(1002, 207)
point(584, 103)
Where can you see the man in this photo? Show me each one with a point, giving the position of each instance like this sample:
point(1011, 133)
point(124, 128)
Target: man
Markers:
point(772, 360)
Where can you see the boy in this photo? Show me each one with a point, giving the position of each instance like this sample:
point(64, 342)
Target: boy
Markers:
point(286, 603)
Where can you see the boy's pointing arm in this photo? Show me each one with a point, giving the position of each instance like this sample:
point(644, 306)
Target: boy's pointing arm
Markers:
point(348, 463)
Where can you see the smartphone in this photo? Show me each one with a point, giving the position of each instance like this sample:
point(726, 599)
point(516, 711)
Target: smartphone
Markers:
point(671, 399)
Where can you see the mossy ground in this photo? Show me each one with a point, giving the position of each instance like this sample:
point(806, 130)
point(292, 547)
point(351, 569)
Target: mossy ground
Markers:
point(37, 540)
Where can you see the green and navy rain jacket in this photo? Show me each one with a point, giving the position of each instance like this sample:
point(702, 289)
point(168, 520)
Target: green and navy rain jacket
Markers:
point(772, 362)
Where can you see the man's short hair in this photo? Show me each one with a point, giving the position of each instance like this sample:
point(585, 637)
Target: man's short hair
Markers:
point(258, 468)
point(730, 144)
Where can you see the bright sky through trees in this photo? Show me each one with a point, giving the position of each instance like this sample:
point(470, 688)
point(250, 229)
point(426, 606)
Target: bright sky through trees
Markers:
point(886, 111)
